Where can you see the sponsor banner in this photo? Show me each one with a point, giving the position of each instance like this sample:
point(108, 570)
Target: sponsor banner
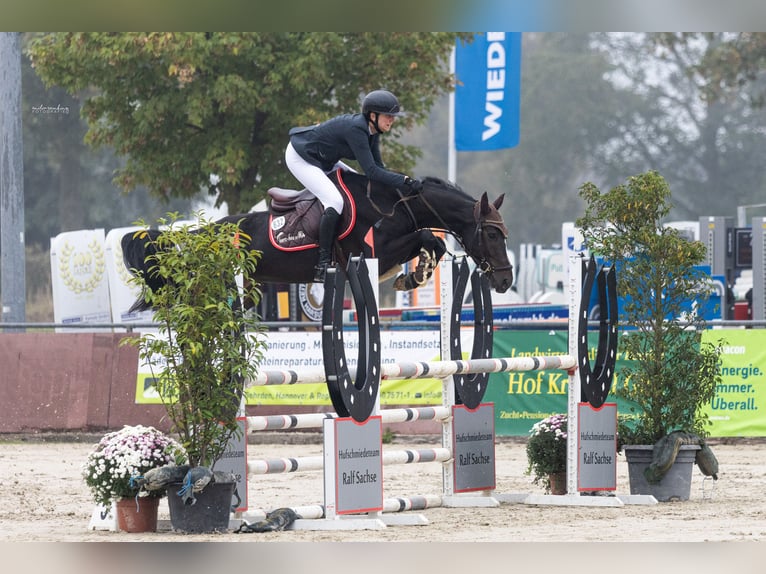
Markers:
point(234, 460)
point(488, 94)
point(740, 400)
point(596, 447)
point(420, 392)
point(302, 350)
point(122, 294)
point(522, 399)
point(79, 279)
point(473, 443)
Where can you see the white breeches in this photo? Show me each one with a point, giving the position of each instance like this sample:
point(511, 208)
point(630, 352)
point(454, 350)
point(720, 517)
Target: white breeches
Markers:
point(315, 179)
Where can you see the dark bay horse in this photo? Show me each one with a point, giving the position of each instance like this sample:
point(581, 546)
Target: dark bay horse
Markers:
point(379, 221)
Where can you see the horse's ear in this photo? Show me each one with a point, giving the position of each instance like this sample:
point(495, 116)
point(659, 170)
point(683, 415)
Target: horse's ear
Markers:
point(484, 202)
point(499, 201)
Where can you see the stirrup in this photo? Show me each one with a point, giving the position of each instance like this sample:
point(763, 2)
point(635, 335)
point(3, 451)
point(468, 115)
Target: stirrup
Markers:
point(320, 271)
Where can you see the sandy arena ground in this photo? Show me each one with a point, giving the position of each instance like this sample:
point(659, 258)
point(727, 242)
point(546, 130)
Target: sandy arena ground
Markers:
point(43, 498)
point(721, 528)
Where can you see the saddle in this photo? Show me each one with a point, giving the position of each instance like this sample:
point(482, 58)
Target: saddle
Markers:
point(294, 216)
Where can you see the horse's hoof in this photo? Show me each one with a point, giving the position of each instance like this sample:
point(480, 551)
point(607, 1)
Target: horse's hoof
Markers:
point(405, 282)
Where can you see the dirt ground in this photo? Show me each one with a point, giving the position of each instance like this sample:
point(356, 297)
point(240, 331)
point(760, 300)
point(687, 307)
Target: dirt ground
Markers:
point(44, 499)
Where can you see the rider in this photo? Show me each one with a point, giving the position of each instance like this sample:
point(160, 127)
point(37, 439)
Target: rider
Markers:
point(313, 152)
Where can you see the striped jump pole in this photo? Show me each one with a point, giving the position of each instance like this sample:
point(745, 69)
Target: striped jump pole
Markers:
point(308, 463)
point(390, 505)
point(316, 420)
point(428, 370)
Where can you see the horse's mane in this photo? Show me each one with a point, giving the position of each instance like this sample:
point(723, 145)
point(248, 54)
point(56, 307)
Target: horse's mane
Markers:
point(447, 185)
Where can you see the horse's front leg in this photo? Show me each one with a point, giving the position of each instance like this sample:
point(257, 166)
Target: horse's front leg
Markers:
point(432, 248)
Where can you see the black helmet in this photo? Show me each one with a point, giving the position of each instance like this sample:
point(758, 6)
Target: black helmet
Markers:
point(382, 102)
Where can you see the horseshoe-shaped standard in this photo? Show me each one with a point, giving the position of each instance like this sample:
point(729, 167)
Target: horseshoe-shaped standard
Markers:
point(595, 384)
point(355, 399)
point(470, 389)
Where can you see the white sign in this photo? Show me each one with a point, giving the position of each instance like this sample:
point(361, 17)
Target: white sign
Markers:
point(122, 294)
point(78, 278)
point(303, 349)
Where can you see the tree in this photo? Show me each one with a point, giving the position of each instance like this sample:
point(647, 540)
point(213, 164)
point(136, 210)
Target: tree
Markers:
point(731, 61)
point(68, 186)
point(212, 110)
point(709, 147)
point(672, 374)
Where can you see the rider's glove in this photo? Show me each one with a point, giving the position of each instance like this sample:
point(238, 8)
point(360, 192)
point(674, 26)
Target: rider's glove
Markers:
point(414, 184)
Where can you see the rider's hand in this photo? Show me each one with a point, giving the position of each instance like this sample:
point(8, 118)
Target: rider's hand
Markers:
point(414, 184)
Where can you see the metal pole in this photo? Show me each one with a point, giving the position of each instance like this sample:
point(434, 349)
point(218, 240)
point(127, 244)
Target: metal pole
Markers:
point(451, 151)
point(12, 273)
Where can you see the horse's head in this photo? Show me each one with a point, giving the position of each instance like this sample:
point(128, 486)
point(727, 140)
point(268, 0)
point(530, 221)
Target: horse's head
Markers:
point(487, 245)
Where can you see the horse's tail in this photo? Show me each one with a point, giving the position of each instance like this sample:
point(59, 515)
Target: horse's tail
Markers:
point(136, 247)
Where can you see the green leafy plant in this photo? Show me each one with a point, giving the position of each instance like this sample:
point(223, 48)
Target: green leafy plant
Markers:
point(547, 449)
point(127, 454)
point(207, 344)
point(672, 374)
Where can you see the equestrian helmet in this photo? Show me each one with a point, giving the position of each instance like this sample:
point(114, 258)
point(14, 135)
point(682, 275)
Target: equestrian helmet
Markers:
point(382, 102)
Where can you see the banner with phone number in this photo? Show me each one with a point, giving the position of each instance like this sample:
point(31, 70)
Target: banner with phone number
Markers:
point(302, 350)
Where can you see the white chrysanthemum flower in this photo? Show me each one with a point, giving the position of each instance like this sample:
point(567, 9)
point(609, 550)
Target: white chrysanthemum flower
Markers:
point(122, 455)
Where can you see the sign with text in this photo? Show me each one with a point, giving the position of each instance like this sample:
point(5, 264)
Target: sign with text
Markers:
point(303, 351)
point(353, 455)
point(488, 94)
point(597, 447)
point(474, 447)
point(234, 460)
point(740, 400)
point(520, 398)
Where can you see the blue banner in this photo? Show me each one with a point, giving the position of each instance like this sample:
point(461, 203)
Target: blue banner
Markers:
point(488, 94)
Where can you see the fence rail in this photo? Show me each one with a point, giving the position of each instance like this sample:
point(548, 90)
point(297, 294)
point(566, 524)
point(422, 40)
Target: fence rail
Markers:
point(523, 324)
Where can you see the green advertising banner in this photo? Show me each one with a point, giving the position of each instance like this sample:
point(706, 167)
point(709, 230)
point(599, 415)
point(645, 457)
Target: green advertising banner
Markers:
point(741, 396)
point(522, 399)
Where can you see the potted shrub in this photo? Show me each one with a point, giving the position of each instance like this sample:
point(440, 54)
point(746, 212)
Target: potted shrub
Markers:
point(672, 372)
point(119, 458)
point(207, 346)
point(547, 453)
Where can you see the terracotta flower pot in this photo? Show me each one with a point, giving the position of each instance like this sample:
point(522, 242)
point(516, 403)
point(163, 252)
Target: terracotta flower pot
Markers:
point(558, 482)
point(137, 514)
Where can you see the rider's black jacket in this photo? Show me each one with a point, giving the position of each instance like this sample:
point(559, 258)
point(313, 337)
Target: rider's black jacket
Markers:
point(344, 137)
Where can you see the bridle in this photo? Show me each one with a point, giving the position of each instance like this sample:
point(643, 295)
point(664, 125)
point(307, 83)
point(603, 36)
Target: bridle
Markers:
point(493, 220)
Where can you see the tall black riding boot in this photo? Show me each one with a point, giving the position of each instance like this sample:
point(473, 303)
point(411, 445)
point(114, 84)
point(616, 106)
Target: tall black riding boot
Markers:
point(327, 231)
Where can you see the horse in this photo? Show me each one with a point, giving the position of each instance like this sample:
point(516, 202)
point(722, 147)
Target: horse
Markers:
point(378, 221)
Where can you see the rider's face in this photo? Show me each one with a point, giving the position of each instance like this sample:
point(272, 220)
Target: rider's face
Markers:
point(385, 121)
